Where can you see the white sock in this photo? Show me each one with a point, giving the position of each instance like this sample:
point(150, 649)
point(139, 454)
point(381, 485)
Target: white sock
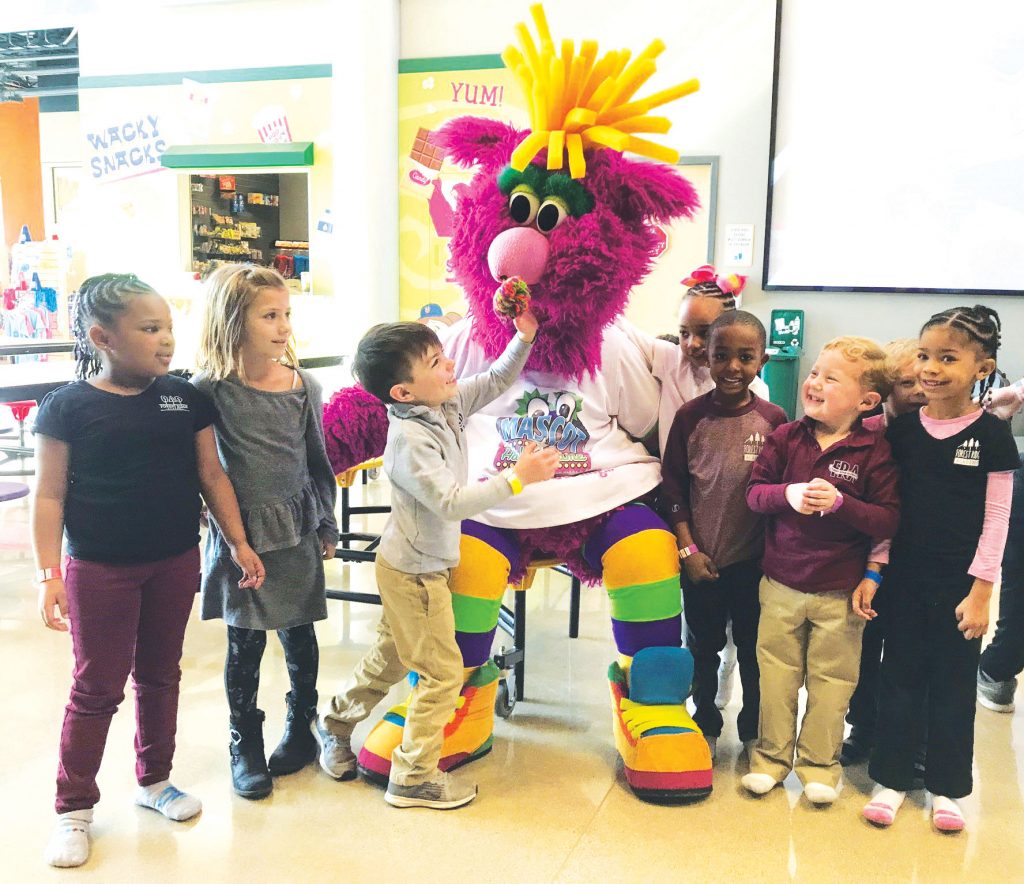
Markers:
point(759, 783)
point(171, 802)
point(820, 793)
point(69, 842)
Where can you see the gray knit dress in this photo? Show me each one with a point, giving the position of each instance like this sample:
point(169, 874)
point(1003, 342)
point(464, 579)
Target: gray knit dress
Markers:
point(272, 448)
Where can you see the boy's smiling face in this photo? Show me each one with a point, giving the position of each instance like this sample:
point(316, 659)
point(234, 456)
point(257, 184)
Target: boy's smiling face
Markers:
point(432, 382)
point(833, 393)
point(735, 354)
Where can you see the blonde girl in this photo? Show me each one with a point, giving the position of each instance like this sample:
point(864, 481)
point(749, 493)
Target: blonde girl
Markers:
point(270, 440)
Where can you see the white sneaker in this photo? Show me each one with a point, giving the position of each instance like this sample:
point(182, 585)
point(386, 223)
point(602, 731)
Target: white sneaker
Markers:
point(442, 791)
point(996, 695)
point(335, 756)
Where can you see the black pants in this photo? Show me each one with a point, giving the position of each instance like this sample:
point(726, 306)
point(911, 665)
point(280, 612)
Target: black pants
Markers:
point(927, 688)
point(242, 667)
point(1003, 659)
point(708, 608)
point(863, 713)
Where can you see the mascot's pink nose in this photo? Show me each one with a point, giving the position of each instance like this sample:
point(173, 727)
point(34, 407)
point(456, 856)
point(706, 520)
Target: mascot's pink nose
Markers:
point(519, 251)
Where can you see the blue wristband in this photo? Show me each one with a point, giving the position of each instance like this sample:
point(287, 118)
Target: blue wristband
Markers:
point(874, 576)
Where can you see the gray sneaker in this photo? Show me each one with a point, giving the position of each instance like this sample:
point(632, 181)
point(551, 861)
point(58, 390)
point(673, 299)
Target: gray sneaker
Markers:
point(335, 755)
point(441, 792)
point(996, 695)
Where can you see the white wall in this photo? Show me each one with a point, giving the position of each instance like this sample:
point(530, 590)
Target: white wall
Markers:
point(126, 37)
point(729, 45)
point(365, 181)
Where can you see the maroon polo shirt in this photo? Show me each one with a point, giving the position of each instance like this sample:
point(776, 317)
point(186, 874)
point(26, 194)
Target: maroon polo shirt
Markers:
point(707, 462)
point(824, 553)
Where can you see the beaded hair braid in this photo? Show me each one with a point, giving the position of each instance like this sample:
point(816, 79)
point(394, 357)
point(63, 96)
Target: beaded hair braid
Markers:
point(980, 324)
point(101, 299)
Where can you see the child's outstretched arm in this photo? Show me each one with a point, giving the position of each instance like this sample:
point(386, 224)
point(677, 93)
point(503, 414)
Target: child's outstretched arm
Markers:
point(478, 390)
point(48, 527)
point(219, 495)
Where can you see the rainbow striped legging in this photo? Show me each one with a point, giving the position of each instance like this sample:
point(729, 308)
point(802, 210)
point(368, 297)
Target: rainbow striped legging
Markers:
point(633, 550)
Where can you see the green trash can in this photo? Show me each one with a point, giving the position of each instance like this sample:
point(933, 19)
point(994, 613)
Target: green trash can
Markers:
point(785, 347)
point(782, 375)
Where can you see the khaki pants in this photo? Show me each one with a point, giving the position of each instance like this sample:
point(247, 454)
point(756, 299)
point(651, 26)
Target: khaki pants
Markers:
point(416, 634)
point(812, 638)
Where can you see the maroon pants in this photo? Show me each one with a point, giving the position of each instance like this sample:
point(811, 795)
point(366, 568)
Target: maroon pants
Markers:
point(124, 618)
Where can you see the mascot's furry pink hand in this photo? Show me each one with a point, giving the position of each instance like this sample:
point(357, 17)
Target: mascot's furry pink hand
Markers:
point(512, 298)
point(355, 428)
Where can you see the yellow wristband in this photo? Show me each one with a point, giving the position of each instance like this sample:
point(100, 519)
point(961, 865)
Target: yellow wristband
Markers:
point(514, 482)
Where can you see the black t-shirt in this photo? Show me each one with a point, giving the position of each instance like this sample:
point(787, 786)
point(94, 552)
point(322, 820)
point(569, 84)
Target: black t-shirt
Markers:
point(943, 483)
point(133, 484)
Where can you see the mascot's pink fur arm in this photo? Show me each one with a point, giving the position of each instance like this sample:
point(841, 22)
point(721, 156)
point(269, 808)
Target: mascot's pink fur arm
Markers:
point(355, 428)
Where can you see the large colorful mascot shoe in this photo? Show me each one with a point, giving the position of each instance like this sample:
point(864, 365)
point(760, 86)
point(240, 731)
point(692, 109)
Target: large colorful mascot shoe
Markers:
point(561, 208)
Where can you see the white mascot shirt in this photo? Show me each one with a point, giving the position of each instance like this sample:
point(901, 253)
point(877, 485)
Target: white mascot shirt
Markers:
point(588, 421)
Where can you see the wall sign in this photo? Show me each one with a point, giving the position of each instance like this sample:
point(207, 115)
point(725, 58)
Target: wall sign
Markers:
point(125, 149)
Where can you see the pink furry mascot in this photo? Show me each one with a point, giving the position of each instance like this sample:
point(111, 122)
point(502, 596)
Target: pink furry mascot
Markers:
point(579, 238)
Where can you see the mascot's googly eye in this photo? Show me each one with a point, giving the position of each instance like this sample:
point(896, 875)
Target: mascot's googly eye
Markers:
point(565, 405)
point(537, 405)
point(523, 205)
point(552, 213)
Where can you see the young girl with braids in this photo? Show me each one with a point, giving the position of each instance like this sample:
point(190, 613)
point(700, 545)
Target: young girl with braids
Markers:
point(123, 454)
point(956, 465)
point(270, 438)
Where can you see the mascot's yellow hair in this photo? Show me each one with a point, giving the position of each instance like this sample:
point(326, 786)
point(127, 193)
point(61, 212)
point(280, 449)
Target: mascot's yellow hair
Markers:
point(578, 102)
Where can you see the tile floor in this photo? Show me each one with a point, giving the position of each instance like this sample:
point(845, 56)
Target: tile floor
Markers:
point(553, 804)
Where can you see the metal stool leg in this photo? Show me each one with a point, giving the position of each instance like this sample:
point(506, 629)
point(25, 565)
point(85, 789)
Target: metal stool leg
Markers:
point(520, 642)
point(574, 608)
point(345, 517)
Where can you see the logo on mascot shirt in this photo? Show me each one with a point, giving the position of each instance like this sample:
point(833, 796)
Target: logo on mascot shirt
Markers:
point(547, 419)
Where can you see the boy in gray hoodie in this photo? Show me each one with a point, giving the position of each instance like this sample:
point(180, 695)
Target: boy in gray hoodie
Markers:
point(425, 458)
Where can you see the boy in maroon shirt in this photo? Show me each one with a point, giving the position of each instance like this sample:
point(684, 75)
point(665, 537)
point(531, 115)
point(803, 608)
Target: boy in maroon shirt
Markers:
point(828, 487)
point(708, 457)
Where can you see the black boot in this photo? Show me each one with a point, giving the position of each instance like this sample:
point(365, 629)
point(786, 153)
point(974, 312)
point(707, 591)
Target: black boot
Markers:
point(249, 775)
point(298, 745)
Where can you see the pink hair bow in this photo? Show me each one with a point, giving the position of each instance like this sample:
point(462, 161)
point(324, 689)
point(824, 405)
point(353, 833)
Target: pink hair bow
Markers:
point(730, 285)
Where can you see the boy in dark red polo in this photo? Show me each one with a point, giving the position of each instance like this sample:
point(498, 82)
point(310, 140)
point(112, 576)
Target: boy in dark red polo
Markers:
point(828, 488)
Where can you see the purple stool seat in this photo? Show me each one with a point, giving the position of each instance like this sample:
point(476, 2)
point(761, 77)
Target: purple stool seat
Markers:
point(12, 491)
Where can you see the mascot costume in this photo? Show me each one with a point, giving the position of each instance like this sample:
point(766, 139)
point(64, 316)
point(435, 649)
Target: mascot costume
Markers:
point(557, 217)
